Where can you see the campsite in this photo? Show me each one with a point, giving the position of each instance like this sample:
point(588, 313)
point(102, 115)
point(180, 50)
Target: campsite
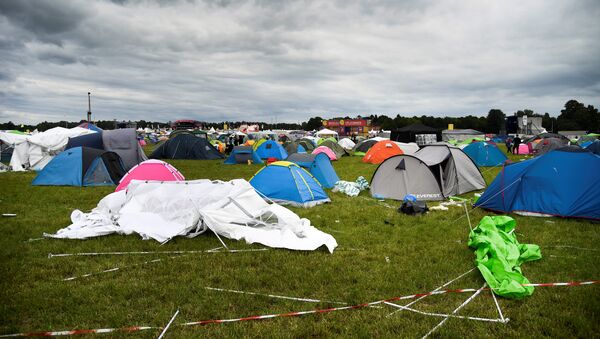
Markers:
point(381, 253)
point(299, 169)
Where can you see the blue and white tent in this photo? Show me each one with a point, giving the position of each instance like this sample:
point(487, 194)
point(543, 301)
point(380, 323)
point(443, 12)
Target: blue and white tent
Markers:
point(82, 166)
point(485, 154)
point(241, 155)
point(287, 183)
point(564, 182)
point(318, 165)
point(271, 149)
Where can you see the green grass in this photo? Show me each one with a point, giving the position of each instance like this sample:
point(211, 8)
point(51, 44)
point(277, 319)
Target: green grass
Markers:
point(424, 252)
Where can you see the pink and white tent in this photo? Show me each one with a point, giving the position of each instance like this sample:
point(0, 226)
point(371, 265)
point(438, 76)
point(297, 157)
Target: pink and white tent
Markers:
point(326, 150)
point(150, 170)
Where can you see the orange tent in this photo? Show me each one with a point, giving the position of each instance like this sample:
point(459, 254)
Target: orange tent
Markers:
point(380, 151)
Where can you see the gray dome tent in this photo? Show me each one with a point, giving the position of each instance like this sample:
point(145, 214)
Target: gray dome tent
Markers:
point(433, 173)
point(548, 144)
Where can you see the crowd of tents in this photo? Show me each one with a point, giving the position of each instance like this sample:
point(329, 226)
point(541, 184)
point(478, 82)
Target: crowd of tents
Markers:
point(560, 179)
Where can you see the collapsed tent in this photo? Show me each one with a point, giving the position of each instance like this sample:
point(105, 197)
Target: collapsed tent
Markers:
point(335, 147)
point(81, 166)
point(563, 182)
point(271, 149)
point(230, 209)
point(287, 183)
point(15, 150)
point(318, 165)
point(327, 151)
point(294, 147)
point(380, 151)
point(241, 155)
point(35, 151)
point(433, 173)
point(186, 146)
point(150, 170)
point(485, 154)
point(347, 144)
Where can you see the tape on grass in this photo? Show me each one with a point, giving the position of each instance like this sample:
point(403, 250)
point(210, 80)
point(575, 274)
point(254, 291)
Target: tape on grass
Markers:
point(281, 315)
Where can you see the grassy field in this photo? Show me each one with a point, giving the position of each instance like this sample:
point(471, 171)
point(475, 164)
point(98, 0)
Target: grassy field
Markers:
point(381, 254)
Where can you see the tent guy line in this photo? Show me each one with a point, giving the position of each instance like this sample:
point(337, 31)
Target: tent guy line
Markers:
point(114, 269)
point(275, 296)
point(290, 314)
point(456, 310)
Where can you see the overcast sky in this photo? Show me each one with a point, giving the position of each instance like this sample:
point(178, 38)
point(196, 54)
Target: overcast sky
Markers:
point(287, 61)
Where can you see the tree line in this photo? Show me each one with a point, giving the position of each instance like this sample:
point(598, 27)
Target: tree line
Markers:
point(574, 116)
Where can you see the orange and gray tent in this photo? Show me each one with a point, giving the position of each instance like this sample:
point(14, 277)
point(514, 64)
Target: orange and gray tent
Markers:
point(434, 173)
point(382, 150)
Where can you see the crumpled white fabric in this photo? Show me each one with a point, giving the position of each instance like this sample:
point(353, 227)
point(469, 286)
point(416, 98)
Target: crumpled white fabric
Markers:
point(352, 189)
point(163, 210)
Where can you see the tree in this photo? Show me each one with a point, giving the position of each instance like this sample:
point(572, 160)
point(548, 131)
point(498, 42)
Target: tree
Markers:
point(495, 121)
point(313, 124)
point(576, 116)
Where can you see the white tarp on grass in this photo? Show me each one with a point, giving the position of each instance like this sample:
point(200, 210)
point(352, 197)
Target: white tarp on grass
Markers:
point(163, 210)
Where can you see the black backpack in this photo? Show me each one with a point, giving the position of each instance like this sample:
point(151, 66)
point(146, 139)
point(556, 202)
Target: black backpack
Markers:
point(413, 207)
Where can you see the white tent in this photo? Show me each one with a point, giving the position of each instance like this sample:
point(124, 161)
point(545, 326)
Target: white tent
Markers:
point(230, 209)
point(18, 142)
point(346, 143)
point(36, 150)
point(408, 148)
point(324, 133)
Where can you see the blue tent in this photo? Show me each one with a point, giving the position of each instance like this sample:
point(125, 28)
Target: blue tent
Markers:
point(271, 149)
point(564, 182)
point(318, 165)
point(287, 183)
point(82, 166)
point(594, 147)
point(485, 154)
point(241, 155)
point(93, 140)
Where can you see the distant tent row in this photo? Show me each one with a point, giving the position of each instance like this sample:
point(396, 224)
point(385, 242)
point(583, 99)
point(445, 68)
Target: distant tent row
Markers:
point(241, 155)
point(433, 173)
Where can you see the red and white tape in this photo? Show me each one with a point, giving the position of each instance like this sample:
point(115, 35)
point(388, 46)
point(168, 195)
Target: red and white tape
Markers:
point(281, 315)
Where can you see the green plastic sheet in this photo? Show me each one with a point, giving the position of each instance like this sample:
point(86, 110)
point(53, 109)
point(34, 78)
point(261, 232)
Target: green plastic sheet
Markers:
point(498, 256)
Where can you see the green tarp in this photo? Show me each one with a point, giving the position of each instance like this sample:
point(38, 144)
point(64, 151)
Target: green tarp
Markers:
point(498, 256)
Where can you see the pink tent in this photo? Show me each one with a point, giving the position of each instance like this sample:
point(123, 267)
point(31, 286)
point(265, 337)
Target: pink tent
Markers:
point(523, 149)
point(326, 150)
point(150, 170)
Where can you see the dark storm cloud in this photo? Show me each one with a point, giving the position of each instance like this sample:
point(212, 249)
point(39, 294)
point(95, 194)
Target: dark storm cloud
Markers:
point(286, 61)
